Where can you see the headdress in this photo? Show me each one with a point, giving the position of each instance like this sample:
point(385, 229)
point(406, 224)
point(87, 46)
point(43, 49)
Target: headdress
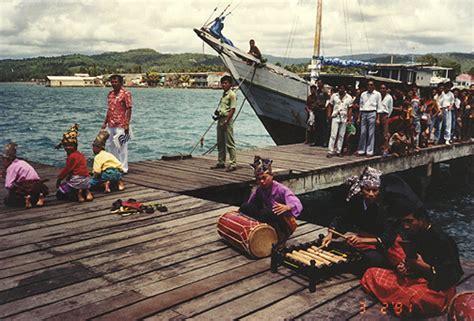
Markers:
point(101, 139)
point(262, 165)
point(69, 137)
point(370, 177)
point(9, 151)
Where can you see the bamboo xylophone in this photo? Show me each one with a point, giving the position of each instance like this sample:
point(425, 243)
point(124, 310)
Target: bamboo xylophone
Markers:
point(315, 262)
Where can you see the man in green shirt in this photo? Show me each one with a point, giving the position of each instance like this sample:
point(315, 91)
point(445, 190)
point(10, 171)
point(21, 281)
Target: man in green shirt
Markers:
point(225, 130)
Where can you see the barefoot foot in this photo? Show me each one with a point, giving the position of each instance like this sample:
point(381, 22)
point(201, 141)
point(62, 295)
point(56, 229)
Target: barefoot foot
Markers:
point(28, 201)
point(40, 201)
point(89, 196)
point(80, 197)
point(107, 187)
point(121, 185)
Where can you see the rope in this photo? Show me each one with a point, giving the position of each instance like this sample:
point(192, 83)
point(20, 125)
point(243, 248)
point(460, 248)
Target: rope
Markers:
point(365, 29)
point(347, 26)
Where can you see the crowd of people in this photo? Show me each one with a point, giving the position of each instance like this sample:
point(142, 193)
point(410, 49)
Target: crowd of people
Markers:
point(387, 121)
point(75, 182)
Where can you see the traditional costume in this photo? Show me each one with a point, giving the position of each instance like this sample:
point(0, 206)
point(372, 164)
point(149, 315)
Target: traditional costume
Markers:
point(367, 220)
point(107, 168)
point(417, 293)
point(261, 201)
point(21, 179)
point(75, 172)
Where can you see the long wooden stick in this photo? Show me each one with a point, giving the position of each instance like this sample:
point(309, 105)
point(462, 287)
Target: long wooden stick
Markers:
point(337, 233)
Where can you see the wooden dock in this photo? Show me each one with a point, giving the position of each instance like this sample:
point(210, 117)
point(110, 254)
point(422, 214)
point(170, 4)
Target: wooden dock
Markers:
point(71, 261)
point(301, 167)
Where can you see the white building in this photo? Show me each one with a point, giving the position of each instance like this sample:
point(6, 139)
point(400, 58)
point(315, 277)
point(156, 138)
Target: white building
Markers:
point(78, 80)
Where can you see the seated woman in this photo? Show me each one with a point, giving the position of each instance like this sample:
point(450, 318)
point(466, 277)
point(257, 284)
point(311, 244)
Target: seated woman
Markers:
point(272, 202)
point(24, 186)
point(425, 269)
point(365, 215)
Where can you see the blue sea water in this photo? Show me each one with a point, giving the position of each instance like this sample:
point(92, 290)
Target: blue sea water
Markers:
point(171, 121)
point(164, 121)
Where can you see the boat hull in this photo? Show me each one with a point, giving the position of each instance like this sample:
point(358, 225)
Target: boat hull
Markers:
point(276, 95)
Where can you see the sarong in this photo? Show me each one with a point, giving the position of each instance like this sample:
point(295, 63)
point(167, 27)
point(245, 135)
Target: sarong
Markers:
point(16, 195)
point(76, 182)
point(405, 296)
point(112, 175)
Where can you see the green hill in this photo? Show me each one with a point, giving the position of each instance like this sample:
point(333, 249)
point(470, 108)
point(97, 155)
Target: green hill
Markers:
point(132, 61)
point(145, 60)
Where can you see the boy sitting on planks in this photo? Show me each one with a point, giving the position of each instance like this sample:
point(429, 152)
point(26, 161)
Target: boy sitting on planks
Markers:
point(107, 168)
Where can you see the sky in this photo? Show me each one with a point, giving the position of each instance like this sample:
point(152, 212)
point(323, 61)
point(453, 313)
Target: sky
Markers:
point(285, 28)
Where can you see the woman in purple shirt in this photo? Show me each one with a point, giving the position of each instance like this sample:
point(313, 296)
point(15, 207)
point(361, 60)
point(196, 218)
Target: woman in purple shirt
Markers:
point(272, 202)
point(21, 181)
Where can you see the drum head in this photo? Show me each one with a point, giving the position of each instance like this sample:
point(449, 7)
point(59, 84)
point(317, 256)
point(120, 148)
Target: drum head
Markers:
point(261, 239)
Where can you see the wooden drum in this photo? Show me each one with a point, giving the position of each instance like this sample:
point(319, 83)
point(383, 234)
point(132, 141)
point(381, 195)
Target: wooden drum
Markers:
point(247, 234)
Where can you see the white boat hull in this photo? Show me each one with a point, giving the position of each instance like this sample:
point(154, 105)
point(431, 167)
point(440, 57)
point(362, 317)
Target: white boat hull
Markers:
point(277, 96)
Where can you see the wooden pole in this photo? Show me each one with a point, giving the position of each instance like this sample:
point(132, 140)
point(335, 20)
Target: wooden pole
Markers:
point(317, 31)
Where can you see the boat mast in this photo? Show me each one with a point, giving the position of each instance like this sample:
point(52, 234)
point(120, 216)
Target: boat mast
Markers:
point(315, 66)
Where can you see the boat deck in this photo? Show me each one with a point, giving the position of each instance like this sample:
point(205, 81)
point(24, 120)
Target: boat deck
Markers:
point(77, 261)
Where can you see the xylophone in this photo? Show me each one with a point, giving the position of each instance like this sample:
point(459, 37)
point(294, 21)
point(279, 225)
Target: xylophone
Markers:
point(314, 262)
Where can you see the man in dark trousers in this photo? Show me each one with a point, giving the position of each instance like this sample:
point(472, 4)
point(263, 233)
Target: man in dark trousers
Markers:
point(320, 114)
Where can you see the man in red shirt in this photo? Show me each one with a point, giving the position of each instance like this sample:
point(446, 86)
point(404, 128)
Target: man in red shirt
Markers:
point(117, 120)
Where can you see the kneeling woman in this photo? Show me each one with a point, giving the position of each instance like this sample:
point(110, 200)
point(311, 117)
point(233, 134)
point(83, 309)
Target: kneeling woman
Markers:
point(22, 182)
point(272, 202)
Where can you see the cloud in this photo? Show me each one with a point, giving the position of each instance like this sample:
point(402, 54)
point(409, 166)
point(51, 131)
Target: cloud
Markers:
point(31, 28)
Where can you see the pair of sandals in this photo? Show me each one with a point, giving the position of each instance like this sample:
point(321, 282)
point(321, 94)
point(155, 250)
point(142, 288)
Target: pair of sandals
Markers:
point(132, 206)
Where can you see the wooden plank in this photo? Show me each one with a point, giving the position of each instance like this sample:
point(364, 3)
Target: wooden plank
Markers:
point(160, 302)
point(87, 252)
point(227, 294)
point(93, 302)
point(14, 307)
point(67, 215)
point(164, 272)
point(101, 220)
point(199, 287)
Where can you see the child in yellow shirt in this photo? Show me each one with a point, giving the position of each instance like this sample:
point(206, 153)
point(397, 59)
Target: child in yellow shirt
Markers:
point(107, 168)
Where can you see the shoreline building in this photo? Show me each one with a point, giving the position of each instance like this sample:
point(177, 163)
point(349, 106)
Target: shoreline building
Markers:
point(78, 80)
point(465, 80)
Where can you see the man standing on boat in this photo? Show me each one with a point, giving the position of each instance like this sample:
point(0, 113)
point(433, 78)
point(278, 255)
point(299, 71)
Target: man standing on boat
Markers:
point(225, 130)
point(117, 120)
point(370, 101)
point(320, 114)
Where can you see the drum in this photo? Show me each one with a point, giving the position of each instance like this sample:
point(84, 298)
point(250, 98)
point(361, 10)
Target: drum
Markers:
point(247, 234)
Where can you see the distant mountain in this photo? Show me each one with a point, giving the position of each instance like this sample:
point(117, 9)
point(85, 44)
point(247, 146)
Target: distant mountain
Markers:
point(145, 60)
point(132, 61)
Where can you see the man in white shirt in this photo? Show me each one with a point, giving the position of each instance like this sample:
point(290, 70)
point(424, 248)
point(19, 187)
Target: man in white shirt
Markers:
point(383, 113)
point(340, 107)
point(446, 103)
point(370, 101)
